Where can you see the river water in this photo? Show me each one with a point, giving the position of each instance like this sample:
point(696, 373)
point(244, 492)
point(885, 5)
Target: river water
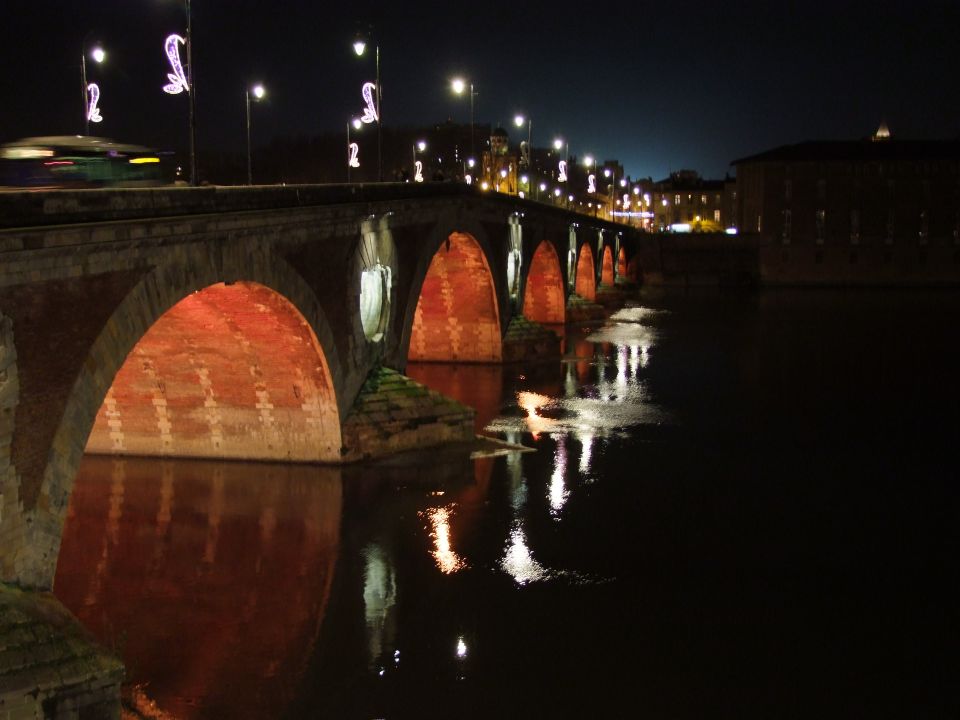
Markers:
point(738, 505)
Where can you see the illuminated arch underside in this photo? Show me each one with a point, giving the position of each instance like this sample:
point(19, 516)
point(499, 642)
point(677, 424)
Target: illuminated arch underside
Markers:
point(228, 372)
point(606, 269)
point(622, 263)
point(543, 299)
point(456, 317)
point(586, 284)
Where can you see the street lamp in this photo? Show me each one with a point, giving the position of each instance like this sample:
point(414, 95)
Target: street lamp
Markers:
point(518, 120)
point(180, 82)
point(98, 55)
point(359, 47)
point(420, 145)
point(560, 144)
point(352, 159)
point(459, 85)
point(258, 93)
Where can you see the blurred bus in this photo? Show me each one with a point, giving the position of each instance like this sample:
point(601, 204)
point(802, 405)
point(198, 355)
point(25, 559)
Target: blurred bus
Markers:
point(79, 161)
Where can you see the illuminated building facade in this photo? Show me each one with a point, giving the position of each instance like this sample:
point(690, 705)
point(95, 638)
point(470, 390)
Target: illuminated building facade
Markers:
point(685, 201)
point(499, 165)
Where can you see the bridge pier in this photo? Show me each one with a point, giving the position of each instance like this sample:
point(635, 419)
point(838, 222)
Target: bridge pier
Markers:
point(50, 666)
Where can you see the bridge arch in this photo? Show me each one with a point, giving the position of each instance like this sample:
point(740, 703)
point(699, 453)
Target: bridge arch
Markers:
point(586, 278)
point(622, 263)
point(544, 298)
point(455, 316)
point(243, 271)
point(606, 267)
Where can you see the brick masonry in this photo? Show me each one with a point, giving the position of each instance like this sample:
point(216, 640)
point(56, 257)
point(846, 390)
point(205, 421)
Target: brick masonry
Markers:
point(586, 278)
point(84, 275)
point(544, 300)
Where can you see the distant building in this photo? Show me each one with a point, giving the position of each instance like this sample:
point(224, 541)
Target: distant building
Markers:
point(871, 211)
point(499, 164)
point(687, 201)
point(864, 192)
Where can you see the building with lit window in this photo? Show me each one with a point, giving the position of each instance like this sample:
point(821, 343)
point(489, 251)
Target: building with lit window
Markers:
point(882, 207)
point(688, 203)
point(499, 165)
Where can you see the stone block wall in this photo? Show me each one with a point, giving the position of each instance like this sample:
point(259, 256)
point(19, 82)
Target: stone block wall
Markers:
point(393, 413)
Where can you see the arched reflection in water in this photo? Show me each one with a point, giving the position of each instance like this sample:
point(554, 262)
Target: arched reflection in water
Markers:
point(210, 579)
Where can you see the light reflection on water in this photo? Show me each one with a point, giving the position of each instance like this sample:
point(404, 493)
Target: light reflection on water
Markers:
point(641, 562)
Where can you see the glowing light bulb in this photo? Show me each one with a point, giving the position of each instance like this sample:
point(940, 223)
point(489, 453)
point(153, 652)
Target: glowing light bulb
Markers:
point(357, 123)
point(588, 160)
point(518, 120)
point(359, 46)
point(543, 187)
point(558, 144)
point(98, 55)
point(458, 85)
point(259, 91)
point(421, 146)
point(178, 79)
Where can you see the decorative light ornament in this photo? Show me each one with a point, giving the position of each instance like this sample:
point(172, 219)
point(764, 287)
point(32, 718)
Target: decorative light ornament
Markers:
point(370, 111)
point(591, 183)
point(418, 175)
point(562, 177)
point(178, 79)
point(93, 112)
point(353, 160)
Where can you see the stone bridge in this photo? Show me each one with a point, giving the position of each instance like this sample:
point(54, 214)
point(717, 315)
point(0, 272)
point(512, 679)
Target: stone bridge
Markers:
point(245, 323)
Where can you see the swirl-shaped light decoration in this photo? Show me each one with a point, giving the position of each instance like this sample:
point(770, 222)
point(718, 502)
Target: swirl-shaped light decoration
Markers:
point(178, 78)
point(93, 112)
point(370, 111)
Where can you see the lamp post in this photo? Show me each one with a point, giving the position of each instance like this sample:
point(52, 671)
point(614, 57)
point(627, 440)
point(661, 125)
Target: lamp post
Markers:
point(420, 145)
point(518, 120)
point(612, 174)
point(351, 159)
point(258, 93)
point(359, 47)
point(459, 85)
point(559, 144)
point(588, 163)
point(98, 55)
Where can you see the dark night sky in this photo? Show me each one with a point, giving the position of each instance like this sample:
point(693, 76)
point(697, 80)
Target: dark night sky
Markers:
point(660, 86)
